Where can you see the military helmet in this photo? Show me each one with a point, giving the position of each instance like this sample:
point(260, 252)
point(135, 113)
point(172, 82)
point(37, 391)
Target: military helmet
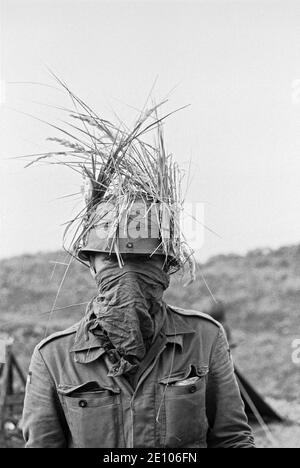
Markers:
point(131, 186)
point(138, 230)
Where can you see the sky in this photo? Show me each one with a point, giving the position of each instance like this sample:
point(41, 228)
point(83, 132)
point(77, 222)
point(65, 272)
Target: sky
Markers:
point(236, 64)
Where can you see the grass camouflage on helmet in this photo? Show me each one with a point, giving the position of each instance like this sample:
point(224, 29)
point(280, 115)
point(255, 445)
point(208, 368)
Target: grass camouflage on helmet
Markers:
point(131, 186)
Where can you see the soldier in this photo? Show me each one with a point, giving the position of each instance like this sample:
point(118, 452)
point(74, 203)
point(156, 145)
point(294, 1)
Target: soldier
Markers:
point(135, 371)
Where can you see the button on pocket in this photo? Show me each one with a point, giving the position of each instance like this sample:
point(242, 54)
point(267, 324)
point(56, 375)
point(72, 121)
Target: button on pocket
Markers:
point(93, 415)
point(82, 403)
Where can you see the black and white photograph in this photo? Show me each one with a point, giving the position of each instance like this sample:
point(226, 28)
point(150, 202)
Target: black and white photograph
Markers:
point(149, 228)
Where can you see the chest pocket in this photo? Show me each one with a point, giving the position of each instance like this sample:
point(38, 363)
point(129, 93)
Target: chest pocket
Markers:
point(93, 414)
point(184, 421)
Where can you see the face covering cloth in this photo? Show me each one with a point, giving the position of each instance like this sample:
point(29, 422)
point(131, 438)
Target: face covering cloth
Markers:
point(127, 311)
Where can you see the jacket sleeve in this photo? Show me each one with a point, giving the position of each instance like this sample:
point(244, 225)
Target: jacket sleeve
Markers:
point(43, 420)
point(228, 424)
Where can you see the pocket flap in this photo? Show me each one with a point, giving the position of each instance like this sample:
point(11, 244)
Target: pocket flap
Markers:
point(87, 387)
point(188, 373)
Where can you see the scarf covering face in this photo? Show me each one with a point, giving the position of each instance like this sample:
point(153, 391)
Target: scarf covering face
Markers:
point(127, 310)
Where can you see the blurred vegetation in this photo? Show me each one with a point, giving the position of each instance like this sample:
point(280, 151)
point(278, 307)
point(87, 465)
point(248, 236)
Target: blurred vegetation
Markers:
point(261, 291)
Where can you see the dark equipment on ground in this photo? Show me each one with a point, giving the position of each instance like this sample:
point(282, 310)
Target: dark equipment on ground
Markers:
point(12, 392)
point(255, 405)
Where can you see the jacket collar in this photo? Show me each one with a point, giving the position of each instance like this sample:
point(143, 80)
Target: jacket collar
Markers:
point(88, 349)
point(85, 343)
point(176, 324)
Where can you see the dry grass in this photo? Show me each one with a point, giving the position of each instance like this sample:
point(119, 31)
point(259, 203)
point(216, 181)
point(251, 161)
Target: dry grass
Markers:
point(119, 166)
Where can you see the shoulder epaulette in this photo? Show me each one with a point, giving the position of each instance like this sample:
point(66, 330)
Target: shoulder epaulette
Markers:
point(59, 334)
point(195, 313)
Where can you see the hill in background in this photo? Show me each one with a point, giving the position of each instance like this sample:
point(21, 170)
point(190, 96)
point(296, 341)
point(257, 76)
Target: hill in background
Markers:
point(261, 290)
